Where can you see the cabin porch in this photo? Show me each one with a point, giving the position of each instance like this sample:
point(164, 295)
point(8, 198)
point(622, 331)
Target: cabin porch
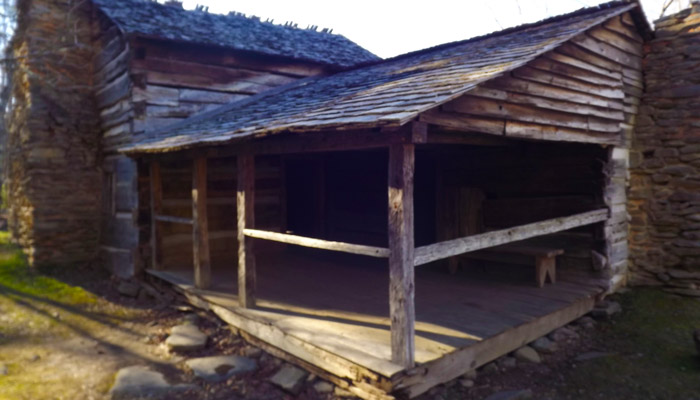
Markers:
point(304, 254)
point(331, 311)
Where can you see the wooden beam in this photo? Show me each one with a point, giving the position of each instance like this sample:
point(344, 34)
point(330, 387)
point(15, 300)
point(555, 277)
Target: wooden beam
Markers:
point(401, 269)
point(438, 251)
point(371, 251)
point(200, 229)
point(156, 207)
point(245, 208)
point(174, 220)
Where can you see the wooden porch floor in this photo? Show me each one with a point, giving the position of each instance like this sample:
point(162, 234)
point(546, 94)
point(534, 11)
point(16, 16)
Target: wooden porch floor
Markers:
point(338, 306)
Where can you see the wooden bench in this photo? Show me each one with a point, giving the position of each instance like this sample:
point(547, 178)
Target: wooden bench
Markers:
point(543, 258)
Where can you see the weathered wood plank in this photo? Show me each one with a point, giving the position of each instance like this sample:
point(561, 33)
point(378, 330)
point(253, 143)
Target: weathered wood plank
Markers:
point(245, 209)
point(567, 83)
point(401, 248)
point(616, 25)
point(228, 58)
point(156, 208)
point(216, 73)
point(174, 220)
point(371, 251)
point(503, 109)
point(528, 130)
point(618, 41)
point(608, 51)
point(463, 122)
point(118, 89)
point(543, 90)
point(575, 72)
point(549, 104)
point(157, 95)
point(576, 62)
point(200, 228)
point(438, 251)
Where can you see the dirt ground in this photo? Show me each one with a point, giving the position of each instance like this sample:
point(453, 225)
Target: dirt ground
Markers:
point(64, 336)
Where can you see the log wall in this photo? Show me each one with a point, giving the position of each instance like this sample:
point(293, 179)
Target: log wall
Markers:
point(664, 199)
point(587, 90)
point(148, 84)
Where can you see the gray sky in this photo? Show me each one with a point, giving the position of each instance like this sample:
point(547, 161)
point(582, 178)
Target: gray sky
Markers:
point(391, 27)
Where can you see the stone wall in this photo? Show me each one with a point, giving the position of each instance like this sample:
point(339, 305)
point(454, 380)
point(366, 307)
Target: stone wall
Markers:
point(53, 144)
point(664, 196)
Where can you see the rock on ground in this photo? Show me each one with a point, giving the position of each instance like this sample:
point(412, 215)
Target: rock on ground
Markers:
point(606, 309)
point(527, 354)
point(129, 289)
point(140, 382)
point(4, 370)
point(467, 383)
point(470, 375)
point(511, 395)
point(563, 334)
point(507, 362)
point(323, 387)
point(290, 378)
point(490, 368)
point(186, 338)
point(586, 322)
point(220, 368)
point(544, 345)
point(252, 352)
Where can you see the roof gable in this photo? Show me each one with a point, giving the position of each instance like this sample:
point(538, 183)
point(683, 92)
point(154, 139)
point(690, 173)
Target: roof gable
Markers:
point(387, 94)
point(150, 19)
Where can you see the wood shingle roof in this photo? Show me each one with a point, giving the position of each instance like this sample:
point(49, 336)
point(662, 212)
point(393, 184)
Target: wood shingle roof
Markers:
point(386, 94)
point(150, 19)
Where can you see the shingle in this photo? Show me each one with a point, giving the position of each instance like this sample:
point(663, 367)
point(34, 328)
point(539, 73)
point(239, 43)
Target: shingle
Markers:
point(151, 19)
point(416, 81)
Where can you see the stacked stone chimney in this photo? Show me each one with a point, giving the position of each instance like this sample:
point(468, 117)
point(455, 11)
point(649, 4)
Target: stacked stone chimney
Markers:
point(664, 196)
point(53, 138)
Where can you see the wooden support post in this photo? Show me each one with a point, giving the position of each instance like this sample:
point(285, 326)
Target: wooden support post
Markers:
point(401, 264)
point(156, 208)
point(245, 202)
point(200, 229)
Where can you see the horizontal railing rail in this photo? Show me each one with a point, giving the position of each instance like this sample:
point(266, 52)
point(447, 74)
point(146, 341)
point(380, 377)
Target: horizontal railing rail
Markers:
point(371, 251)
point(455, 247)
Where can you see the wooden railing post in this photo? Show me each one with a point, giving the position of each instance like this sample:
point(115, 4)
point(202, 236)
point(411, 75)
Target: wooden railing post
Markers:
point(156, 208)
point(401, 246)
point(245, 202)
point(200, 229)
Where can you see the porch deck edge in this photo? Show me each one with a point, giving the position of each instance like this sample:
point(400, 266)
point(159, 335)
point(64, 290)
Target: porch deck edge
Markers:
point(361, 381)
point(372, 385)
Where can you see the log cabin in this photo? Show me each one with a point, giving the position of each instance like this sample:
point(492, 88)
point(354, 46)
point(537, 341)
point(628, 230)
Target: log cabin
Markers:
point(386, 224)
point(397, 224)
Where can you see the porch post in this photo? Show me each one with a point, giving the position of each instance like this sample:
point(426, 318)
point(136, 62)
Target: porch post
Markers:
point(200, 229)
point(245, 201)
point(401, 246)
point(156, 208)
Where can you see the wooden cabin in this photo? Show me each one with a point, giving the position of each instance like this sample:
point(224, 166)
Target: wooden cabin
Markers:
point(158, 64)
point(395, 225)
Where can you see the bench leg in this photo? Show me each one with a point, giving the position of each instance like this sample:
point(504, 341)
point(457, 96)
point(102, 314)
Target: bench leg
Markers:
point(545, 266)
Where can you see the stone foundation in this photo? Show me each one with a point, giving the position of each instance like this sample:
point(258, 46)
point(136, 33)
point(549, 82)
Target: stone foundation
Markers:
point(53, 137)
point(664, 195)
